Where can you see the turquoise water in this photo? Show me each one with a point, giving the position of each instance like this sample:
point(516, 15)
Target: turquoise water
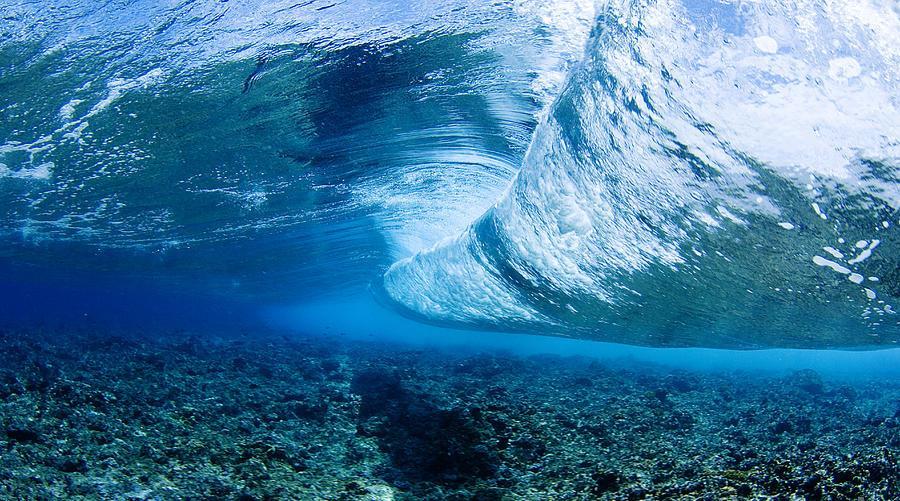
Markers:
point(666, 174)
point(457, 249)
point(359, 318)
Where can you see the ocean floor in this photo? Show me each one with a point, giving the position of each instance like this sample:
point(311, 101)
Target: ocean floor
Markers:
point(258, 417)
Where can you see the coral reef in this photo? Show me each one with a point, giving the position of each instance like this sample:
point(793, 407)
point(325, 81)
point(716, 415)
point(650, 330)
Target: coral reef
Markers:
point(268, 416)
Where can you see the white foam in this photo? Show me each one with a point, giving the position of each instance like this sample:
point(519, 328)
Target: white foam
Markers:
point(821, 261)
point(818, 211)
point(766, 44)
point(40, 172)
point(119, 86)
point(724, 212)
point(866, 253)
point(68, 110)
point(842, 68)
point(834, 252)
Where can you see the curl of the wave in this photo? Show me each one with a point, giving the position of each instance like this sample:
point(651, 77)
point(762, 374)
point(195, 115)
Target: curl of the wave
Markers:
point(713, 174)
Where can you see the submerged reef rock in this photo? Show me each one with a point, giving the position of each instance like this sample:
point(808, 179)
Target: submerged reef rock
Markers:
point(423, 440)
point(713, 174)
point(328, 418)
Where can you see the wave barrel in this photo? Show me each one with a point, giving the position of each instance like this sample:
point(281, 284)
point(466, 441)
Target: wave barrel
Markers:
point(721, 174)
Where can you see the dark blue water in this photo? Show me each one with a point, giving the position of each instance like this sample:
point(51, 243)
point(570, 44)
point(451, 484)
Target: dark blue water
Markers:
point(673, 175)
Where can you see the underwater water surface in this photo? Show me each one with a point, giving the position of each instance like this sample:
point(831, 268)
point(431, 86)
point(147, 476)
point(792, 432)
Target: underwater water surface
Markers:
point(658, 173)
point(428, 204)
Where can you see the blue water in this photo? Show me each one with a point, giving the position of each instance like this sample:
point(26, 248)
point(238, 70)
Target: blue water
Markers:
point(666, 181)
point(359, 318)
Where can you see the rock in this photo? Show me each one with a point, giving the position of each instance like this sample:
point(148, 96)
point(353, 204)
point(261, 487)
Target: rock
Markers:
point(379, 493)
point(783, 426)
point(842, 475)
point(23, 435)
point(70, 465)
point(604, 481)
point(239, 363)
point(489, 494)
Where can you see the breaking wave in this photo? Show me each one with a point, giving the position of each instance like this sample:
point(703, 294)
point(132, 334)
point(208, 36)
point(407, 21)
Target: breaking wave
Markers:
point(684, 172)
point(714, 173)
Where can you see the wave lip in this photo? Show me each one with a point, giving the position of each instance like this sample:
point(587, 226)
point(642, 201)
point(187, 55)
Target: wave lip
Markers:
point(713, 174)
